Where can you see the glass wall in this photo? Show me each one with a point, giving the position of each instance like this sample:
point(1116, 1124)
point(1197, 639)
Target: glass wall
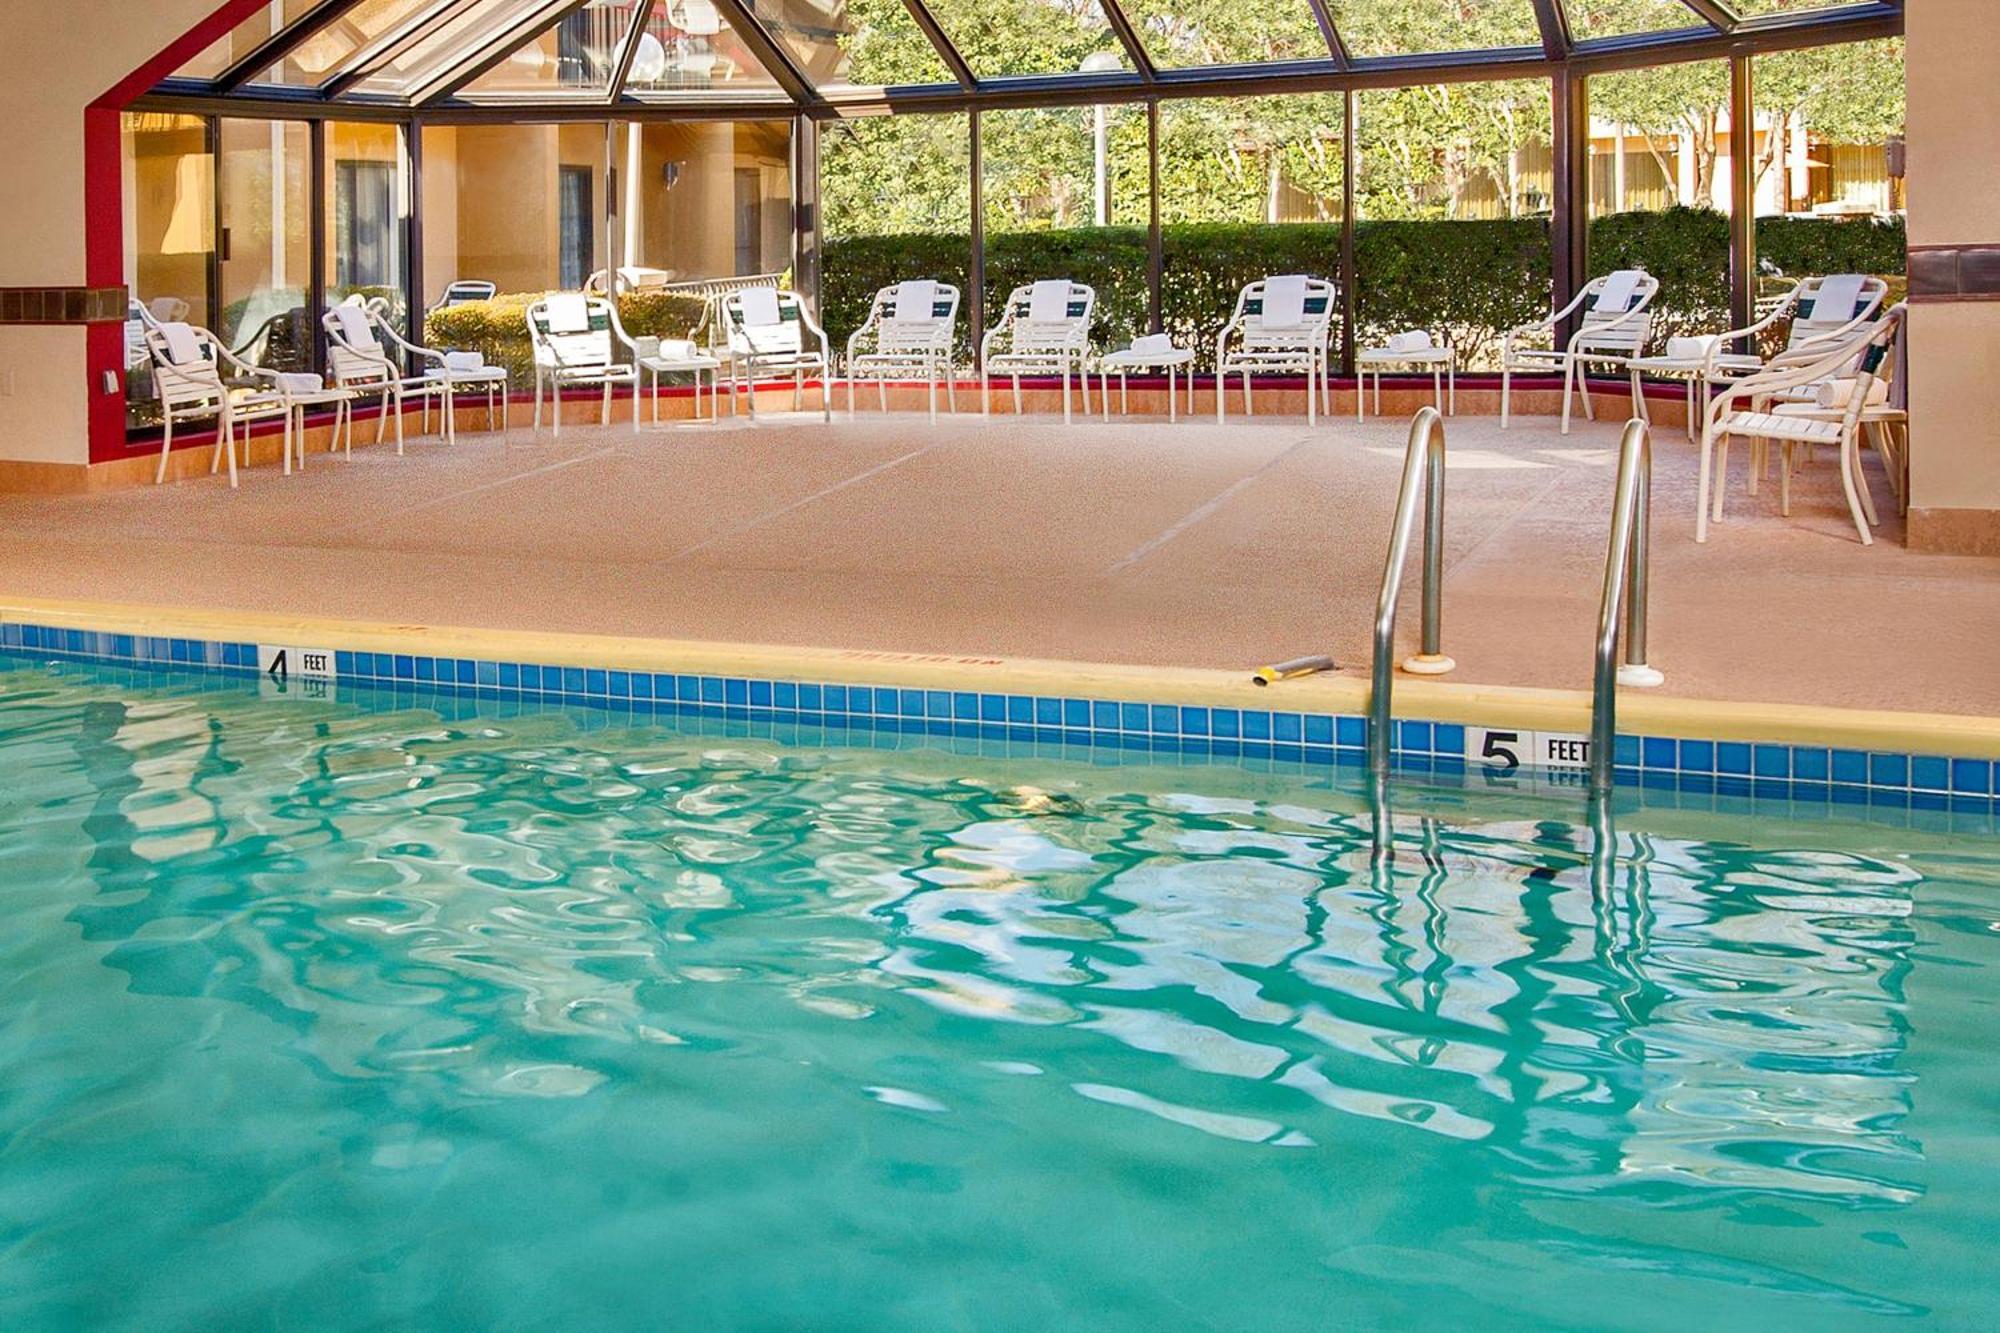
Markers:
point(524, 207)
point(265, 247)
point(367, 217)
point(883, 226)
point(706, 199)
point(169, 210)
point(1066, 192)
point(1453, 193)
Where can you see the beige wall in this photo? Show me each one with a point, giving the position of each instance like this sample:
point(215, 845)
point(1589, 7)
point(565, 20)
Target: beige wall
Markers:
point(1954, 185)
point(58, 57)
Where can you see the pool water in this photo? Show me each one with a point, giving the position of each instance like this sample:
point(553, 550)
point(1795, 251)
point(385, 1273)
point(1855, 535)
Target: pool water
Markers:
point(393, 1011)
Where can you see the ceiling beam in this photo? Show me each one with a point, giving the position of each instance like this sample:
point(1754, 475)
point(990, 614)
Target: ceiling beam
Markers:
point(486, 58)
point(946, 48)
point(387, 47)
point(1714, 13)
point(1553, 21)
point(1336, 47)
point(767, 51)
point(629, 52)
point(283, 42)
point(1128, 37)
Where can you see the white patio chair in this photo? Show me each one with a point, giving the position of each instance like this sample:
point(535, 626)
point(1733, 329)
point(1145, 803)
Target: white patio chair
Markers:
point(579, 342)
point(1613, 329)
point(1844, 376)
point(912, 328)
point(1820, 308)
point(359, 343)
point(467, 291)
point(765, 332)
point(188, 380)
point(1282, 326)
point(1044, 329)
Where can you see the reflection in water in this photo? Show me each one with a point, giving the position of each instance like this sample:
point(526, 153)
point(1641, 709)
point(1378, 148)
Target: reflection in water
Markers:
point(490, 908)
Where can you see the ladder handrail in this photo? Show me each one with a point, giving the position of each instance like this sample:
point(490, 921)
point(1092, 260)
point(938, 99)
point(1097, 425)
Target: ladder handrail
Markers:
point(1625, 577)
point(1424, 458)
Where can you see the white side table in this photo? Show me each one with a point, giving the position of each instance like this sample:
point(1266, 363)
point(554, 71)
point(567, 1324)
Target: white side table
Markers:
point(664, 357)
point(1442, 363)
point(1170, 359)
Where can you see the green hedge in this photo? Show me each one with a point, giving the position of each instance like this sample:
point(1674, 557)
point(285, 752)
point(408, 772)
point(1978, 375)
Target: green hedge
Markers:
point(1468, 280)
point(498, 329)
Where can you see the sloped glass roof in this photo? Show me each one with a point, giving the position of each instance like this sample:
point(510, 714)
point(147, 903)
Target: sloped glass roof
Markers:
point(1417, 27)
point(600, 53)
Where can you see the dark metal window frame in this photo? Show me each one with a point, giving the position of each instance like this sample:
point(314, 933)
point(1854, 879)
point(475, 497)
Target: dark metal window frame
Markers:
point(1715, 30)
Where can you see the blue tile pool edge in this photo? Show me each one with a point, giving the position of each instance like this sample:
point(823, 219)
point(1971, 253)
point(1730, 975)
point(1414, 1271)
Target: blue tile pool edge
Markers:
point(1310, 738)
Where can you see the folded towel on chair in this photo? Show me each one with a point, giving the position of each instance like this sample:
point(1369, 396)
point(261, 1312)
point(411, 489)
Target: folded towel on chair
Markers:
point(1415, 340)
point(464, 361)
point(183, 348)
point(1691, 349)
point(1285, 301)
point(1839, 393)
point(1154, 344)
point(569, 312)
point(760, 308)
point(355, 326)
point(1048, 301)
point(916, 298)
point(299, 381)
point(1616, 296)
point(1839, 296)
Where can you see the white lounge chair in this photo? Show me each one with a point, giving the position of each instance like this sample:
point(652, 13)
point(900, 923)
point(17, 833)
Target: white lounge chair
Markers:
point(765, 332)
point(1820, 308)
point(188, 380)
point(579, 343)
point(1613, 329)
point(912, 329)
point(1816, 395)
point(361, 349)
point(467, 291)
point(1282, 326)
point(1044, 329)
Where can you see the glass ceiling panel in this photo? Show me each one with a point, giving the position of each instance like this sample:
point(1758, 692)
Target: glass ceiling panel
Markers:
point(842, 44)
point(574, 59)
point(244, 38)
point(1006, 37)
point(688, 48)
point(1418, 27)
point(1186, 34)
point(1616, 18)
point(321, 55)
point(453, 35)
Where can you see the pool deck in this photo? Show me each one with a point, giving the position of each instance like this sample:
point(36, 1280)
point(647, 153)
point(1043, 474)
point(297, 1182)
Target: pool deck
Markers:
point(1134, 544)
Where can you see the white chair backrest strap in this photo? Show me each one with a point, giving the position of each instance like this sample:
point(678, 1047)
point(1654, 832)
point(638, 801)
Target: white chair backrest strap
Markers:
point(1837, 300)
point(567, 313)
point(914, 300)
point(356, 329)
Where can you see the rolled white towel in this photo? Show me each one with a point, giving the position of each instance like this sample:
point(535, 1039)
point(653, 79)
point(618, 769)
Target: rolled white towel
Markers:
point(646, 348)
point(1153, 344)
point(293, 381)
point(1690, 349)
point(464, 361)
point(1415, 340)
point(1839, 393)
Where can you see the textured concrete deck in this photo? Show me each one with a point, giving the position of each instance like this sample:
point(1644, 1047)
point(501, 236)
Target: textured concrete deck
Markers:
point(1139, 542)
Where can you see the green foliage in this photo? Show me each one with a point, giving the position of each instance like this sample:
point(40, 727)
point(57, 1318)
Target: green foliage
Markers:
point(1802, 247)
point(498, 329)
point(1687, 249)
point(1470, 281)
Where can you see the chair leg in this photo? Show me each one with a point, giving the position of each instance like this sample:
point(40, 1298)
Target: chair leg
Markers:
point(1784, 481)
point(1721, 477)
point(1860, 474)
point(1857, 503)
point(166, 447)
point(1173, 402)
point(1065, 393)
point(1583, 391)
point(1248, 409)
point(1506, 394)
point(1312, 394)
point(399, 425)
point(1701, 485)
point(555, 408)
point(1639, 409)
point(1017, 393)
point(1569, 381)
point(951, 386)
point(1221, 392)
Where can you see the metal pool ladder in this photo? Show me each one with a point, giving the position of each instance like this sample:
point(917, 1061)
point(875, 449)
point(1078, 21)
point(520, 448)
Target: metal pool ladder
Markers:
point(1423, 462)
point(1625, 578)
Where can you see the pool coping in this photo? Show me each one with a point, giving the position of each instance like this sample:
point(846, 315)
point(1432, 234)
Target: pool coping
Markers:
point(1920, 752)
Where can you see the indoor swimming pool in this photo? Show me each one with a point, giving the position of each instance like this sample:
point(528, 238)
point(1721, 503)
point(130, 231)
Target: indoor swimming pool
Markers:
point(400, 1008)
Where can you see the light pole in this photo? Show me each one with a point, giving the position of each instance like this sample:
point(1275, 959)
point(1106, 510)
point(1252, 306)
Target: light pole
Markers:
point(1101, 62)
